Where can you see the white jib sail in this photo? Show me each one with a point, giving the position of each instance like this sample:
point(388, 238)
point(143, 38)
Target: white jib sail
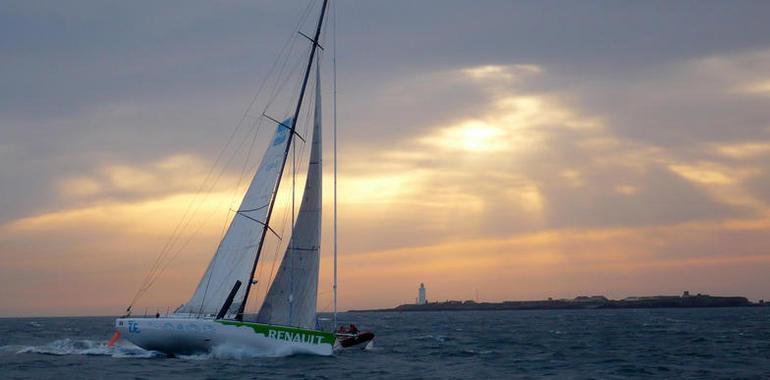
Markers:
point(238, 249)
point(291, 300)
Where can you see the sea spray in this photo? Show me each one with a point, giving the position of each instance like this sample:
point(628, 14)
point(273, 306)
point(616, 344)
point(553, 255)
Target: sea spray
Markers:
point(68, 346)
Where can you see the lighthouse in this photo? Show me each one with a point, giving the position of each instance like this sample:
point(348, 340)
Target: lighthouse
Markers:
point(421, 300)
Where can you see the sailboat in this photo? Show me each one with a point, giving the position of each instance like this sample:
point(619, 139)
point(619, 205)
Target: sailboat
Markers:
point(286, 321)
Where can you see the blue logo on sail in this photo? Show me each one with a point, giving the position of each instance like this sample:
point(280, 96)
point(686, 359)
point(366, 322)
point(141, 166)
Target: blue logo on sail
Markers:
point(282, 132)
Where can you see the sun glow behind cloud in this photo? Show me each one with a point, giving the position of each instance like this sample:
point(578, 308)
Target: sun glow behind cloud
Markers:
point(472, 136)
point(519, 157)
point(525, 195)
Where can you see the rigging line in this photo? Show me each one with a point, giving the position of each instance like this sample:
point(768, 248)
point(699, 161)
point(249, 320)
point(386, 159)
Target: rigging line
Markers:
point(293, 220)
point(305, 124)
point(291, 41)
point(244, 169)
point(146, 281)
point(197, 229)
point(285, 196)
point(155, 271)
point(292, 241)
point(284, 216)
point(255, 98)
point(290, 139)
point(163, 265)
point(266, 226)
point(188, 217)
point(261, 265)
point(237, 189)
point(283, 199)
point(227, 215)
point(283, 219)
point(280, 80)
point(177, 232)
point(256, 124)
point(282, 223)
point(325, 308)
point(288, 145)
point(297, 83)
point(173, 237)
point(308, 122)
point(294, 39)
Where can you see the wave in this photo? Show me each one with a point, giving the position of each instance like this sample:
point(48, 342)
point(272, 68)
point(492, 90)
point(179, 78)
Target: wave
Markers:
point(371, 347)
point(437, 338)
point(83, 347)
point(124, 349)
point(233, 352)
point(238, 352)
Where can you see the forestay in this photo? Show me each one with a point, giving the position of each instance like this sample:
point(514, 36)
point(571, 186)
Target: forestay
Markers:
point(237, 251)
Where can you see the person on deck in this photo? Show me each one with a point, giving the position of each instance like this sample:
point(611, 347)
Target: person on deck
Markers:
point(353, 329)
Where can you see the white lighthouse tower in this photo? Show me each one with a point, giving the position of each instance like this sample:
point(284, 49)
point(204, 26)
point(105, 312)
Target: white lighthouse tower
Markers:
point(421, 300)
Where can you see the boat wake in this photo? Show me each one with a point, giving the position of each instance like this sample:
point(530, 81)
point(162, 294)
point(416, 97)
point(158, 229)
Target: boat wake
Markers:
point(89, 347)
point(125, 349)
point(370, 347)
point(226, 351)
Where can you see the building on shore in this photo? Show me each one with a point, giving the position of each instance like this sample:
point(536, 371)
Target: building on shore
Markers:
point(421, 298)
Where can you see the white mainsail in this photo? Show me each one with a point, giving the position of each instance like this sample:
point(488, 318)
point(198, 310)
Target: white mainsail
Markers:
point(237, 251)
point(291, 300)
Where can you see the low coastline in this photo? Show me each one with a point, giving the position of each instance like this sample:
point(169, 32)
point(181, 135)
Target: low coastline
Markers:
point(582, 303)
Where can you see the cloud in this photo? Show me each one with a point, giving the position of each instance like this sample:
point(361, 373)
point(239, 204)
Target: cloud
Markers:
point(744, 150)
point(180, 172)
point(520, 185)
point(524, 160)
point(102, 251)
point(501, 72)
point(557, 154)
point(618, 262)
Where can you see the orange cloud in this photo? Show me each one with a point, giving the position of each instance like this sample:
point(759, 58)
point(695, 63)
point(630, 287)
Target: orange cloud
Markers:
point(525, 197)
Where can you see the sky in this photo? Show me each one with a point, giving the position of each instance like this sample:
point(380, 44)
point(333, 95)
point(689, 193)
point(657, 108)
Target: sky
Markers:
point(505, 150)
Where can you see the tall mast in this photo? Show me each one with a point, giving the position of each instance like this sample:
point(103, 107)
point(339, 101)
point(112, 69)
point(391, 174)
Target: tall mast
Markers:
point(334, 155)
point(292, 132)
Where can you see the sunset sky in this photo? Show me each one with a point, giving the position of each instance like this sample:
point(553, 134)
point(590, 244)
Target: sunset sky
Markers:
point(518, 149)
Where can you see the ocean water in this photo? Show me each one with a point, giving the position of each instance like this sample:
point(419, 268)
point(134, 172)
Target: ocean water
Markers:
point(580, 344)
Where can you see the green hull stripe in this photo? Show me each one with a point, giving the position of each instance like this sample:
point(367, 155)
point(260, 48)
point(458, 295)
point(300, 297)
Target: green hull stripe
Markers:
point(290, 334)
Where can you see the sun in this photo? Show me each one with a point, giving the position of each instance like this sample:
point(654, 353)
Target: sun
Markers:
point(471, 136)
point(478, 136)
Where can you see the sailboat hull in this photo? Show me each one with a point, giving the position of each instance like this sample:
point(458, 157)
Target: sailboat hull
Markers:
point(186, 336)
